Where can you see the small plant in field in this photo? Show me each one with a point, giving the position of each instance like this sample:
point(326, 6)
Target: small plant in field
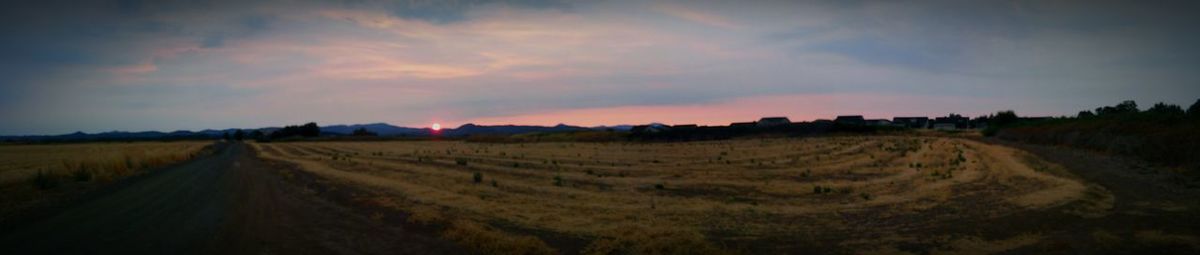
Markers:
point(460, 161)
point(865, 196)
point(826, 190)
point(659, 186)
point(43, 180)
point(81, 175)
point(494, 184)
point(558, 181)
point(816, 189)
point(516, 165)
point(477, 177)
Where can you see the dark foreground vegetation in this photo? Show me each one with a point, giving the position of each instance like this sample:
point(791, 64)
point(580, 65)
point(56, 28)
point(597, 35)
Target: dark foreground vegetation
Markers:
point(1165, 134)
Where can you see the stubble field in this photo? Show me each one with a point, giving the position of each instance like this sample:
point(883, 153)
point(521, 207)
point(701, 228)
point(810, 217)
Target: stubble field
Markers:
point(714, 196)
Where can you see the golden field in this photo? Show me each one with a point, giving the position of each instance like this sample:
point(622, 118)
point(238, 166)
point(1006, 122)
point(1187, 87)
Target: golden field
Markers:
point(18, 163)
point(662, 197)
point(31, 175)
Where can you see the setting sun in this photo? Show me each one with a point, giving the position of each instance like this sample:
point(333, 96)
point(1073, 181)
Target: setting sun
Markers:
point(436, 127)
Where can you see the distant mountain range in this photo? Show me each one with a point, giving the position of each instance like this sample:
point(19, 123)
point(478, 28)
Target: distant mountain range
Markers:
point(382, 129)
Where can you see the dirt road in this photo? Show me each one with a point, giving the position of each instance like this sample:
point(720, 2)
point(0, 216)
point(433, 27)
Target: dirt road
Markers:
point(228, 203)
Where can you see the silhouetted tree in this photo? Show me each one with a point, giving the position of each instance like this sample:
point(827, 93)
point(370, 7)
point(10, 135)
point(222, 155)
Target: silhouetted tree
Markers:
point(1128, 106)
point(310, 130)
point(239, 135)
point(306, 130)
point(1004, 118)
point(1085, 114)
point(257, 135)
point(363, 132)
point(1166, 109)
point(225, 136)
point(1194, 110)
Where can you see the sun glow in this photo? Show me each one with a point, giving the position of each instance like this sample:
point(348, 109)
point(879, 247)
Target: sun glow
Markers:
point(436, 127)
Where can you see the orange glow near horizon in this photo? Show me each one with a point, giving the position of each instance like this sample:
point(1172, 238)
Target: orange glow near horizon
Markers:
point(795, 107)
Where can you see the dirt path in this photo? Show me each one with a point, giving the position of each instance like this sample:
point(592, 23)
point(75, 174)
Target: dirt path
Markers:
point(227, 203)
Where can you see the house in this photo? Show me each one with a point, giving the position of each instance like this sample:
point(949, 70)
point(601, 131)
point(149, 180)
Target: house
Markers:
point(854, 120)
point(773, 121)
point(912, 122)
point(745, 125)
point(954, 121)
point(879, 122)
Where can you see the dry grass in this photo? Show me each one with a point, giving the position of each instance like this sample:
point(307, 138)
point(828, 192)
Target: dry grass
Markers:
point(488, 240)
point(736, 188)
point(104, 160)
point(32, 174)
point(1160, 238)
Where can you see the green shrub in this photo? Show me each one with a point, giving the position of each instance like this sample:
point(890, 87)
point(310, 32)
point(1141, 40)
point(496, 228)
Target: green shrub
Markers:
point(460, 161)
point(659, 186)
point(558, 181)
point(478, 177)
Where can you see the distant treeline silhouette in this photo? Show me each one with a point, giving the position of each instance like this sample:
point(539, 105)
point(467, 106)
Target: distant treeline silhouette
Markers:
point(307, 130)
point(1164, 134)
point(699, 133)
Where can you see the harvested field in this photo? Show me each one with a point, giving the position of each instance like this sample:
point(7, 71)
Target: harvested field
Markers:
point(724, 195)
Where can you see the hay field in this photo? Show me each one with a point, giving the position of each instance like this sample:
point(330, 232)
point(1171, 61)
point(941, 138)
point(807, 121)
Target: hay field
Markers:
point(623, 195)
point(18, 163)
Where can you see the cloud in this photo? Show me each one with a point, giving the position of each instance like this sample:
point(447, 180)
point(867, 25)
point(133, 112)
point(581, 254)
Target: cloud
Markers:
point(150, 65)
point(697, 16)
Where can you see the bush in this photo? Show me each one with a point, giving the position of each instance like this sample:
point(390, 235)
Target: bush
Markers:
point(659, 186)
point(478, 177)
point(558, 181)
point(43, 180)
point(81, 175)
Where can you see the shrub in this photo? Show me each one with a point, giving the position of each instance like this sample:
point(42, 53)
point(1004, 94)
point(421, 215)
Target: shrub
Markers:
point(478, 177)
point(81, 175)
point(460, 161)
point(816, 189)
point(659, 186)
point(865, 196)
point(558, 181)
point(43, 180)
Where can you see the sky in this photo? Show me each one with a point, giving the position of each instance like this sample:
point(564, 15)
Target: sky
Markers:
point(131, 65)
